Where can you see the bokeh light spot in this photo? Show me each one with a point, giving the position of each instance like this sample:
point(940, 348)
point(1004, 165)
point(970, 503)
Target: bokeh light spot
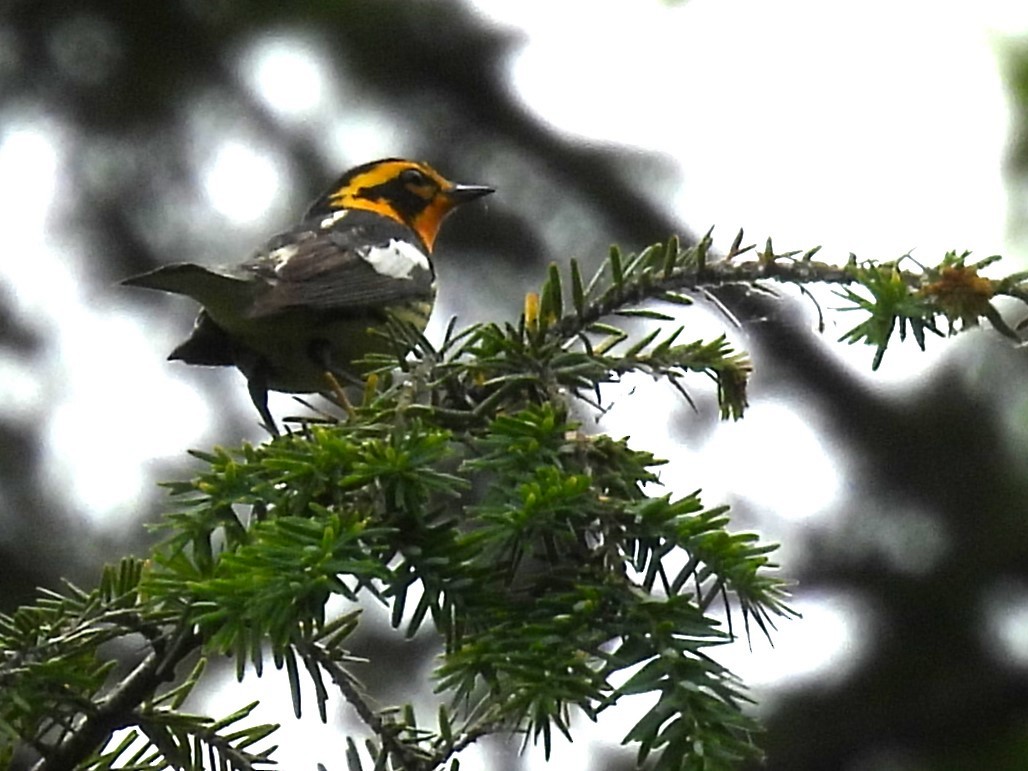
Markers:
point(240, 182)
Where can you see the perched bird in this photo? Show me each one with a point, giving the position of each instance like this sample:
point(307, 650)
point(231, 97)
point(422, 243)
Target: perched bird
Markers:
point(295, 315)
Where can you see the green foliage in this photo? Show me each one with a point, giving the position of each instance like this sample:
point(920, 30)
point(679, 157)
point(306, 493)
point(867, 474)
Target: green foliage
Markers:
point(894, 299)
point(167, 737)
point(464, 495)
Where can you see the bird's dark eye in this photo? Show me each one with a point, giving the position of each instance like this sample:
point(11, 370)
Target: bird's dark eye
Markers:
point(413, 177)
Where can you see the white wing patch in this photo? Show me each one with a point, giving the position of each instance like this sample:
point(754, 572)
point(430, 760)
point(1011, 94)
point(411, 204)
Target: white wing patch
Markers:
point(397, 259)
point(282, 255)
point(332, 219)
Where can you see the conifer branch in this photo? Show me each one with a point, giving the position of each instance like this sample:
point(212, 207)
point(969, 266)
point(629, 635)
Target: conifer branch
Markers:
point(463, 495)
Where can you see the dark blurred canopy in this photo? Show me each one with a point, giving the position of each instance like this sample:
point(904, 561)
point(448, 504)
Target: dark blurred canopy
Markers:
point(141, 98)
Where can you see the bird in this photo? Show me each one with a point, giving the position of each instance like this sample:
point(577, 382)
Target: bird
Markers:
point(296, 315)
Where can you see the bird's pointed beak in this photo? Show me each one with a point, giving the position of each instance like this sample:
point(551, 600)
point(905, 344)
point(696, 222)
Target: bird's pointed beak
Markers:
point(463, 193)
point(427, 222)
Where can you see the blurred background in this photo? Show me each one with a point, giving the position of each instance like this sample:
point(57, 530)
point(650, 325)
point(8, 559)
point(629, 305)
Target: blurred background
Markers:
point(134, 134)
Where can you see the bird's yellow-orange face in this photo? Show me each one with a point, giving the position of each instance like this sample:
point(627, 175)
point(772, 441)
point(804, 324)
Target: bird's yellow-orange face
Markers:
point(409, 192)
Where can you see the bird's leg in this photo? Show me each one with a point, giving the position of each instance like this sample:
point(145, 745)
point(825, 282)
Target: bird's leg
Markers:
point(339, 393)
point(319, 352)
point(257, 385)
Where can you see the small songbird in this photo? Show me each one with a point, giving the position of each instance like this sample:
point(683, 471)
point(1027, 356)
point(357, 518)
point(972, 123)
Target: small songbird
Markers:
point(296, 315)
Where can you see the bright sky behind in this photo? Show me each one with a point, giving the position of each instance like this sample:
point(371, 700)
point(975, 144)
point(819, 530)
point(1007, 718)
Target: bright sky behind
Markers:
point(873, 127)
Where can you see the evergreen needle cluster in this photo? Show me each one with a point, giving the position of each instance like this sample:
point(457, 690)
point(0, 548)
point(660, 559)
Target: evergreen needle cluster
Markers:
point(462, 494)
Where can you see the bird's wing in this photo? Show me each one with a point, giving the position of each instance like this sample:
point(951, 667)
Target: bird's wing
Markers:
point(351, 265)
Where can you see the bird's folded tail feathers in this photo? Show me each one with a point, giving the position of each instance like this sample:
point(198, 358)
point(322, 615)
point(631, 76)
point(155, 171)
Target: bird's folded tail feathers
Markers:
point(202, 284)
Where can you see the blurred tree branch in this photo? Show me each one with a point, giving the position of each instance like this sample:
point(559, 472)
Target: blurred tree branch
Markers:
point(943, 447)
